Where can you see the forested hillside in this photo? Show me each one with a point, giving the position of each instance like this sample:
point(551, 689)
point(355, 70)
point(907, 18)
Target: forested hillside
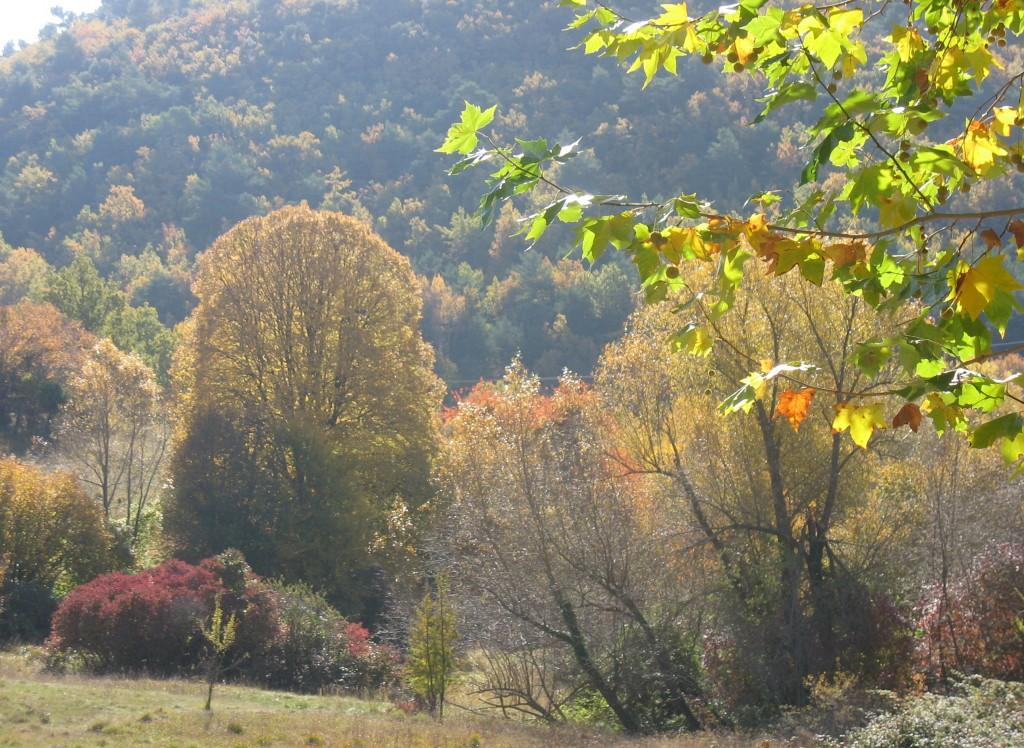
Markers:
point(135, 137)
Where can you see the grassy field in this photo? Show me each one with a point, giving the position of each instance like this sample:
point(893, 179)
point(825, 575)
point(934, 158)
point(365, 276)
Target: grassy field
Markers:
point(38, 710)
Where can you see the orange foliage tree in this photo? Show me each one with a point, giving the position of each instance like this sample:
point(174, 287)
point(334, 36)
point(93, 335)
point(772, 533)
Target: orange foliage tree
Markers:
point(551, 541)
point(39, 350)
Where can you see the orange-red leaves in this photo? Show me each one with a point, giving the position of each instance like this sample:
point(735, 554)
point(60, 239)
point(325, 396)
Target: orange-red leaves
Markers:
point(794, 405)
point(909, 415)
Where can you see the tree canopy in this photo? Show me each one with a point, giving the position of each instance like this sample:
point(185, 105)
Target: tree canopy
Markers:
point(307, 395)
point(909, 111)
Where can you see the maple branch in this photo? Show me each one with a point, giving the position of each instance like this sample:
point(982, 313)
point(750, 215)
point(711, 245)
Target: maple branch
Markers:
point(863, 128)
point(930, 217)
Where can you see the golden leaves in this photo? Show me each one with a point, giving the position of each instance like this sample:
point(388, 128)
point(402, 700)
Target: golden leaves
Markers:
point(1003, 119)
point(795, 405)
point(846, 253)
point(781, 253)
point(908, 42)
point(679, 242)
point(896, 210)
point(981, 147)
point(744, 48)
point(861, 420)
point(975, 288)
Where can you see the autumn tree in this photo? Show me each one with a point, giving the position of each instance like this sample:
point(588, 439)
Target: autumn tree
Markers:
point(877, 212)
point(308, 403)
point(114, 431)
point(543, 536)
point(23, 275)
point(39, 351)
point(52, 537)
point(801, 520)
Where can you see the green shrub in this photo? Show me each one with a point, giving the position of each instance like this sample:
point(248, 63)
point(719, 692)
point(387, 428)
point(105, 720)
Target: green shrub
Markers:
point(318, 650)
point(25, 612)
point(978, 714)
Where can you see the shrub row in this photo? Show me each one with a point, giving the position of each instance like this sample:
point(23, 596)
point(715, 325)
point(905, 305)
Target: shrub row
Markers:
point(287, 637)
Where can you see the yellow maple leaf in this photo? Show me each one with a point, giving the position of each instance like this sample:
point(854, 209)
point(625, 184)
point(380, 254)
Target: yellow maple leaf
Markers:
point(975, 288)
point(908, 42)
point(845, 21)
point(943, 414)
point(1003, 120)
point(981, 147)
point(896, 210)
point(675, 14)
point(861, 420)
point(744, 48)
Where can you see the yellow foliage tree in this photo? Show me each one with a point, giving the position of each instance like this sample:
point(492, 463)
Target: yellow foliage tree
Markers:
point(40, 349)
point(767, 497)
point(51, 533)
point(308, 400)
point(114, 433)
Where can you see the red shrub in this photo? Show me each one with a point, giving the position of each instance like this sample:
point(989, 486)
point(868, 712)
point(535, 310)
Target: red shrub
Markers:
point(974, 627)
point(145, 621)
point(288, 637)
point(358, 640)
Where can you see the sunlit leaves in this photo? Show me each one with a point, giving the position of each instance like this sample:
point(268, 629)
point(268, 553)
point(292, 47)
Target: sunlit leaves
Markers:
point(955, 65)
point(755, 385)
point(462, 136)
point(981, 147)
point(693, 339)
point(861, 420)
point(597, 233)
point(974, 288)
point(875, 210)
point(795, 405)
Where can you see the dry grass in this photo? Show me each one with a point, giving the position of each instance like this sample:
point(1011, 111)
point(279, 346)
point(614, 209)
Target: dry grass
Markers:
point(38, 710)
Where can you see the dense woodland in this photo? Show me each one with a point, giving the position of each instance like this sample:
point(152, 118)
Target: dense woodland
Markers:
point(279, 407)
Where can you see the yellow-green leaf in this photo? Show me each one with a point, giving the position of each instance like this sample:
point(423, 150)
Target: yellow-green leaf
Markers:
point(862, 421)
point(975, 289)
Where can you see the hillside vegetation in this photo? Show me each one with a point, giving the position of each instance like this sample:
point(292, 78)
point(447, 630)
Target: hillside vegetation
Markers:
point(138, 135)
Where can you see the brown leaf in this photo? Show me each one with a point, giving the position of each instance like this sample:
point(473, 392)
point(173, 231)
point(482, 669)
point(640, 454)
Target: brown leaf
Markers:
point(1017, 229)
point(909, 415)
point(846, 253)
point(795, 406)
point(991, 238)
point(922, 80)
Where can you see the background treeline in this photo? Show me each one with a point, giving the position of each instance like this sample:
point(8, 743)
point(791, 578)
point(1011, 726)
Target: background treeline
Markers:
point(137, 136)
